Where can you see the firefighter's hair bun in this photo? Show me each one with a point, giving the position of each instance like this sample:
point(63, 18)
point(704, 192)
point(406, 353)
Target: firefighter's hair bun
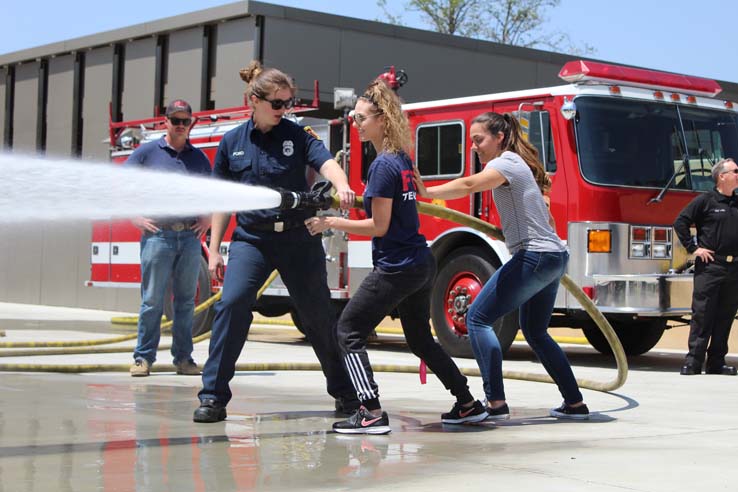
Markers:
point(251, 72)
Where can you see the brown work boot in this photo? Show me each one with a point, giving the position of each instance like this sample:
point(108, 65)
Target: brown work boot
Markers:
point(140, 368)
point(187, 368)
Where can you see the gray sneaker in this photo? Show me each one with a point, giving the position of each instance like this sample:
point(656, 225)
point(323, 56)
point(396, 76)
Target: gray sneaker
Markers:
point(187, 368)
point(140, 368)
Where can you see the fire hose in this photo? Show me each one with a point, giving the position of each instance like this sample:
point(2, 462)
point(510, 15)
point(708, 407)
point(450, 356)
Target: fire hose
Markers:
point(320, 201)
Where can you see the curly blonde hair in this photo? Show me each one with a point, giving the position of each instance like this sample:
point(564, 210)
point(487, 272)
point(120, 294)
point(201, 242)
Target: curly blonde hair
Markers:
point(263, 82)
point(397, 136)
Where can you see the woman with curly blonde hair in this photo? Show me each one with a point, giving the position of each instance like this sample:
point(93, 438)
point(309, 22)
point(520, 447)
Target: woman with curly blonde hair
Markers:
point(403, 272)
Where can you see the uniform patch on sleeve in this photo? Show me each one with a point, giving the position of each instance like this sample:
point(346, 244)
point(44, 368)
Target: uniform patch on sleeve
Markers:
point(309, 130)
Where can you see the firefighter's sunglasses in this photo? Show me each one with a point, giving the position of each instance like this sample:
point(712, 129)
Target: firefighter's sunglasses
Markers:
point(279, 103)
point(180, 121)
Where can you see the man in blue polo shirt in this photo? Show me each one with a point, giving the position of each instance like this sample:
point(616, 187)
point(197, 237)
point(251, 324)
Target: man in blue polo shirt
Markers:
point(170, 248)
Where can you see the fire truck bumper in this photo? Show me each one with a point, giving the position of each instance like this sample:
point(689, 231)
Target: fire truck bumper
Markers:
point(648, 295)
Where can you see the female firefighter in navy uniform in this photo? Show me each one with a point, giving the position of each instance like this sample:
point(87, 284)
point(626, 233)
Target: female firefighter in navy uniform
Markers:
point(271, 151)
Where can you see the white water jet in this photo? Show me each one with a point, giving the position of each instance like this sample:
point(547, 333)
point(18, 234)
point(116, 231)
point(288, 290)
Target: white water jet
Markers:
point(37, 189)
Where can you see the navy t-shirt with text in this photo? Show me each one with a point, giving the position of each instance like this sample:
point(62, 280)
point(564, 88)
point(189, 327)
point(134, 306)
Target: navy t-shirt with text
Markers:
point(391, 176)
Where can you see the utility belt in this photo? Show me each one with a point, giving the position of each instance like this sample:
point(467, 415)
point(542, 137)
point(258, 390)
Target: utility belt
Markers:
point(726, 258)
point(278, 226)
point(178, 226)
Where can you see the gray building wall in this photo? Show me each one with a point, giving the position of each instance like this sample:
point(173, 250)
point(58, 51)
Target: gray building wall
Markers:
point(26, 107)
point(48, 263)
point(59, 107)
point(98, 77)
point(184, 67)
point(235, 48)
point(138, 81)
point(3, 74)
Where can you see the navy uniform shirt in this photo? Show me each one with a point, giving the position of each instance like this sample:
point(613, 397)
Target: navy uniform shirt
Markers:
point(276, 159)
point(391, 176)
point(159, 156)
point(716, 219)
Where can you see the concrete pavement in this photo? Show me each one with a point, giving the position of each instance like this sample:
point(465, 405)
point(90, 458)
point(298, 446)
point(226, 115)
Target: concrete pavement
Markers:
point(108, 431)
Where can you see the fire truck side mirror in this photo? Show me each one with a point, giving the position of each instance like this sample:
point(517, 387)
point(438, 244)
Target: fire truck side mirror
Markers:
point(568, 109)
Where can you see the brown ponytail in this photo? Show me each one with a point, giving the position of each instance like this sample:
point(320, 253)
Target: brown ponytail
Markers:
point(514, 142)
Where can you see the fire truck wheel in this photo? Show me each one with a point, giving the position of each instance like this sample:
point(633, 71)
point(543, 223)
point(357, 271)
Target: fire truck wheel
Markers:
point(202, 322)
point(460, 279)
point(637, 336)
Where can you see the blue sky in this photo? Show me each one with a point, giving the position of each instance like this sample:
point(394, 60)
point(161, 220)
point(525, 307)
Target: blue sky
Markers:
point(695, 38)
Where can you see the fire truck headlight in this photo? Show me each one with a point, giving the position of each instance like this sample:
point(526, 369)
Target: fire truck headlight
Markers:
point(638, 250)
point(661, 251)
point(599, 241)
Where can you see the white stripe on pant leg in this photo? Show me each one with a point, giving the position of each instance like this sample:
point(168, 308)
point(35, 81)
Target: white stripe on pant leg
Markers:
point(354, 380)
point(361, 388)
point(361, 374)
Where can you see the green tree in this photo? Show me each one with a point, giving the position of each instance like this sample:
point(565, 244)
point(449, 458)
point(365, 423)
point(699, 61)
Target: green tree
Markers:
point(514, 22)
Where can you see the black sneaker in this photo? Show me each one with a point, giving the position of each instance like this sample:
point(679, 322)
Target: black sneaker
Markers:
point(209, 411)
point(499, 413)
point(574, 413)
point(460, 414)
point(363, 422)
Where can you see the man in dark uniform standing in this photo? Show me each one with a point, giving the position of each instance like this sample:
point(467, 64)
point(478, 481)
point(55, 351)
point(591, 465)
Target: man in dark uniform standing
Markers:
point(269, 150)
point(715, 294)
point(170, 248)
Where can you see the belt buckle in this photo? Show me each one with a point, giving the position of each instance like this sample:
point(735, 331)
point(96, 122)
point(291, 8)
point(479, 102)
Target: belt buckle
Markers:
point(279, 227)
point(178, 226)
point(729, 258)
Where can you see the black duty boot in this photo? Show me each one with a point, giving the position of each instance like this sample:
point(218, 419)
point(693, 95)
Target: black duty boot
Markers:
point(724, 370)
point(690, 370)
point(209, 411)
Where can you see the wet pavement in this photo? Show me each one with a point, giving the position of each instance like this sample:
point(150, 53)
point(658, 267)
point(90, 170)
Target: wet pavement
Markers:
point(111, 432)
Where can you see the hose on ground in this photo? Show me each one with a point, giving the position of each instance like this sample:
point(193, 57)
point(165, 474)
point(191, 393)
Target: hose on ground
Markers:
point(74, 347)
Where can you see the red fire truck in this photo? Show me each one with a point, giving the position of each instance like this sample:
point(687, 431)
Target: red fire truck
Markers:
point(626, 149)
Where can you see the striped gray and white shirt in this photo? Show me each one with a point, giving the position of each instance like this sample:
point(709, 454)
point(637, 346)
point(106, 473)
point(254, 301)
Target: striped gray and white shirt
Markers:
point(523, 213)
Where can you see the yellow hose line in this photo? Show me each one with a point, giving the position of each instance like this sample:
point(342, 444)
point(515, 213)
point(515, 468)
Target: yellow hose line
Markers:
point(568, 283)
point(425, 208)
point(105, 341)
point(393, 330)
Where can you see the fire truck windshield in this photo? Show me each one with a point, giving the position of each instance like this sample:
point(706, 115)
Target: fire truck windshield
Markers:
point(626, 142)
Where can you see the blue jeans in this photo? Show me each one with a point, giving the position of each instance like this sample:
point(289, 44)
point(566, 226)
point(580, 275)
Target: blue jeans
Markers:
point(300, 260)
point(167, 255)
point(529, 281)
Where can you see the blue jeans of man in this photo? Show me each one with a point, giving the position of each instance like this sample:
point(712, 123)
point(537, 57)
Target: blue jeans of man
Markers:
point(300, 260)
point(167, 255)
point(528, 282)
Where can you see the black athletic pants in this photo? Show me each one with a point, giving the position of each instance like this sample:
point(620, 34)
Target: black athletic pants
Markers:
point(378, 295)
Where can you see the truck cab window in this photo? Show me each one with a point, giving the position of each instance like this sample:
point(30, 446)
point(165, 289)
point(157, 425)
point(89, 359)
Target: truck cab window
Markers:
point(710, 136)
point(439, 149)
point(536, 125)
